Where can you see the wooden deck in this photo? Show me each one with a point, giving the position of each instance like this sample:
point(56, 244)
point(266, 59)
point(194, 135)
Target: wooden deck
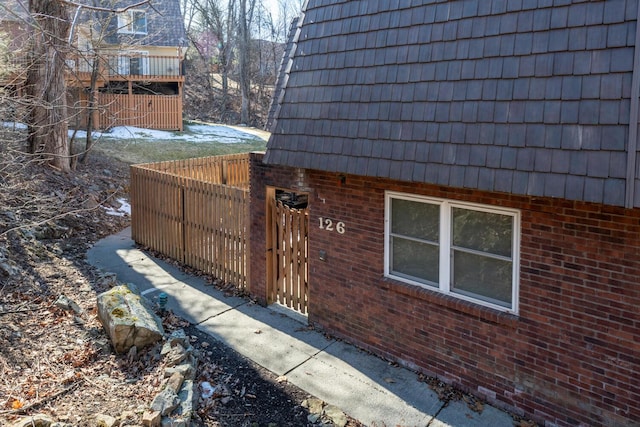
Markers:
point(153, 111)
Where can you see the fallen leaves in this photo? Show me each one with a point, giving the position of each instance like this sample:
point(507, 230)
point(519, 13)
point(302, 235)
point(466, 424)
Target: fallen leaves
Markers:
point(473, 403)
point(80, 358)
point(15, 404)
point(448, 393)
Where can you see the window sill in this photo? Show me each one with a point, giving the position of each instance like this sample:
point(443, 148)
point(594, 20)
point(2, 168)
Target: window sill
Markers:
point(453, 303)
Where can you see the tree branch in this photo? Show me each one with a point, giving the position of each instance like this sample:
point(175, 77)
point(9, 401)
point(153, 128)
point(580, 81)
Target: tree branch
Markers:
point(42, 401)
point(62, 215)
point(105, 9)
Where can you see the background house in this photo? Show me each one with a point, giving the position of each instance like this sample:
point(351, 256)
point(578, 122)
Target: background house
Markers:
point(137, 55)
point(471, 170)
point(14, 32)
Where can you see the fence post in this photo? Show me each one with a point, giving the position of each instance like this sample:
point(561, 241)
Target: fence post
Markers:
point(223, 172)
point(183, 237)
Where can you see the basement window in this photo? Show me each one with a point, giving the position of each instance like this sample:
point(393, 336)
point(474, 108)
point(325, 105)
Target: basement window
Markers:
point(466, 250)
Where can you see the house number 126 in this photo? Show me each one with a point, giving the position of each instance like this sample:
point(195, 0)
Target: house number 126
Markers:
point(327, 224)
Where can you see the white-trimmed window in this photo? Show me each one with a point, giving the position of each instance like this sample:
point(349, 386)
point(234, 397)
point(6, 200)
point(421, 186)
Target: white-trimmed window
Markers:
point(132, 22)
point(466, 250)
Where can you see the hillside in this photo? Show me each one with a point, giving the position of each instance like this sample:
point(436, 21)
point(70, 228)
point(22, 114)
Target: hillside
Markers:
point(55, 358)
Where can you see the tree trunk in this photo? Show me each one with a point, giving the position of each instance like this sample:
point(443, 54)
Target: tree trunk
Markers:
point(46, 84)
point(91, 106)
point(243, 59)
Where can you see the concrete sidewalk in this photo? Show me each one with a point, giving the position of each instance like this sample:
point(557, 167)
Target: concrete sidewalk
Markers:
point(363, 386)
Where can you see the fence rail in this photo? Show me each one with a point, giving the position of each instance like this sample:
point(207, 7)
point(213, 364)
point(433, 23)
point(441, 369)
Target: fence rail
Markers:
point(232, 169)
point(201, 222)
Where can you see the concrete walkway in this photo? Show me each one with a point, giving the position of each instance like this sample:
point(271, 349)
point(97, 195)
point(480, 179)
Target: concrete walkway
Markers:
point(363, 386)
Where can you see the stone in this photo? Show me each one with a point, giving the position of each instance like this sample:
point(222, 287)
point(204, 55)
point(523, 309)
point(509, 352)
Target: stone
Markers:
point(173, 422)
point(187, 398)
point(184, 369)
point(127, 319)
point(38, 420)
point(51, 231)
point(176, 356)
point(103, 420)
point(67, 304)
point(127, 417)
point(193, 362)
point(337, 417)
point(175, 381)
point(151, 418)
point(8, 268)
point(165, 402)
point(178, 337)
point(314, 405)
point(91, 202)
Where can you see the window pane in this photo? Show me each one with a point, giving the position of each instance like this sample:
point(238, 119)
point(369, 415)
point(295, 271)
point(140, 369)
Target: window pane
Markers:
point(486, 278)
point(139, 22)
point(482, 231)
point(124, 22)
point(415, 259)
point(415, 219)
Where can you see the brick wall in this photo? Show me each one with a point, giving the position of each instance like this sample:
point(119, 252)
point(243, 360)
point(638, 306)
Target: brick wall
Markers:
point(571, 356)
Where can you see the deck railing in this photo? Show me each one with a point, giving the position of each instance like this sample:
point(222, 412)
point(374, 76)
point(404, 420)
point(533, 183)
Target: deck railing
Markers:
point(195, 211)
point(120, 66)
point(129, 65)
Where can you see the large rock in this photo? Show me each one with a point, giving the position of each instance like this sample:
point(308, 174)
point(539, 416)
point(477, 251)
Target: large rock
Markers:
point(127, 319)
point(165, 401)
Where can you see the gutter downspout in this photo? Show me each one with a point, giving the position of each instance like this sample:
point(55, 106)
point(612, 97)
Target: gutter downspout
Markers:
point(632, 143)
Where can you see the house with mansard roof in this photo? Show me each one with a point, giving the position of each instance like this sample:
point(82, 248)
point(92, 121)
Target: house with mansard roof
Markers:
point(136, 48)
point(139, 50)
point(481, 160)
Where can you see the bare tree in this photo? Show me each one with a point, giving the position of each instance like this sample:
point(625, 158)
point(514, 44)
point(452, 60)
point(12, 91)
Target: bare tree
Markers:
point(287, 11)
point(245, 17)
point(214, 42)
point(48, 131)
point(248, 36)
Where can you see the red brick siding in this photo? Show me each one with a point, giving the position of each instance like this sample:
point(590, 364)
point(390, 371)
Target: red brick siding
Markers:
point(571, 356)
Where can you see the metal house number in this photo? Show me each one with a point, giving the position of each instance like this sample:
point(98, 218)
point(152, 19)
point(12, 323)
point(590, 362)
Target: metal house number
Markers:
point(327, 224)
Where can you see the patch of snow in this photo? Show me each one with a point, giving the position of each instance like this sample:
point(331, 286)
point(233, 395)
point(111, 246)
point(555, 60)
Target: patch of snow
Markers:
point(207, 389)
point(192, 133)
point(124, 209)
point(14, 125)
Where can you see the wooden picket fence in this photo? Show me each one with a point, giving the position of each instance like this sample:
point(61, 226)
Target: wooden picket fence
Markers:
point(287, 243)
point(146, 111)
point(195, 211)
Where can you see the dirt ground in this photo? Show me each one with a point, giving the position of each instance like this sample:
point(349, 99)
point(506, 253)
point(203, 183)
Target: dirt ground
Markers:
point(57, 361)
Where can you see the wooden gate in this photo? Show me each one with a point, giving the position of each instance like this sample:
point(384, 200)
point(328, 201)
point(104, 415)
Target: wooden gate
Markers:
point(287, 245)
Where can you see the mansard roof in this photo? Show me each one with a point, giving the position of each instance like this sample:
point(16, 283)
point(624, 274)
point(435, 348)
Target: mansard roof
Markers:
point(165, 24)
point(531, 97)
